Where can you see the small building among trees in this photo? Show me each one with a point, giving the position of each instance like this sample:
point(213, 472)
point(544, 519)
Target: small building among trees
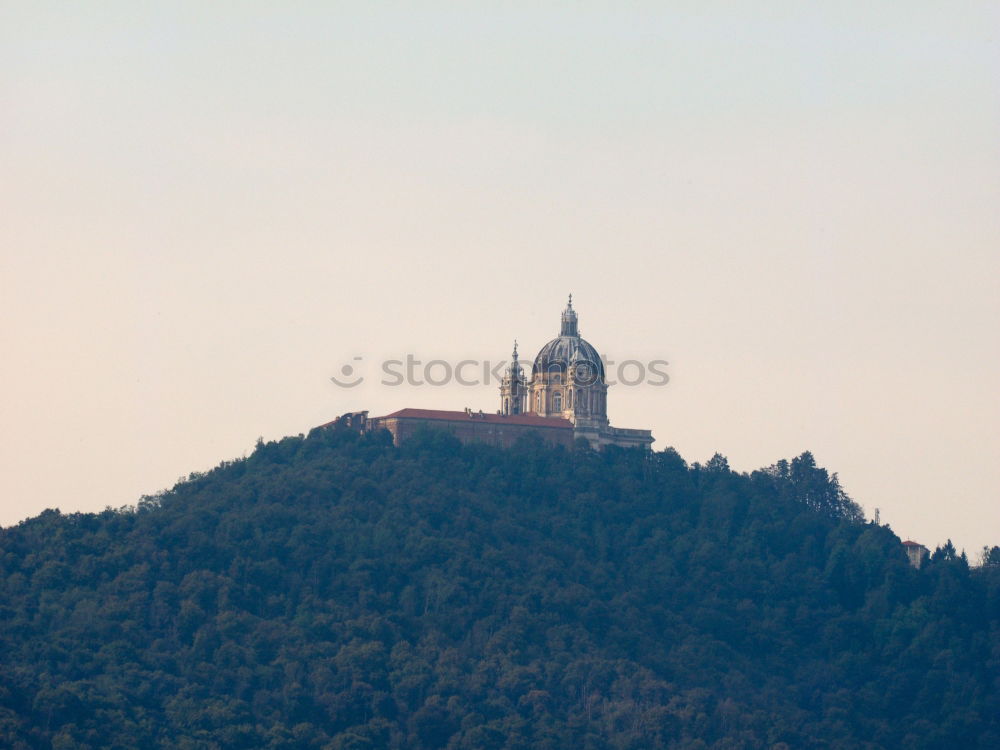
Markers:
point(916, 552)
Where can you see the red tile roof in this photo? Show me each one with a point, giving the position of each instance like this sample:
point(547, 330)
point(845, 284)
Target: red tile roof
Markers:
point(908, 543)
point(455, 416)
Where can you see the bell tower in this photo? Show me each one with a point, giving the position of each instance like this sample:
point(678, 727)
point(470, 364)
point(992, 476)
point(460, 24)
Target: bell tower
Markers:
point(588, 392)
point(513, 389)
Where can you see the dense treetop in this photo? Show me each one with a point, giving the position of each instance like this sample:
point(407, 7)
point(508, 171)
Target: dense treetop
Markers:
point(334, 591)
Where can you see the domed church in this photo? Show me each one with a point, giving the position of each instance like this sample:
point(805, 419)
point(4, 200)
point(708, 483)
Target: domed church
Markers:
point(564, 400)
point(568, 382)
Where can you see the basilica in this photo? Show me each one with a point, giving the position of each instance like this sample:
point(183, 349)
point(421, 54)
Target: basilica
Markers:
point(564, 400)
point(567, 381)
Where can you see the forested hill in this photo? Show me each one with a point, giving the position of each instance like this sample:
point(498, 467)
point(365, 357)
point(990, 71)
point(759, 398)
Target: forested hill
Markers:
point(337, 592)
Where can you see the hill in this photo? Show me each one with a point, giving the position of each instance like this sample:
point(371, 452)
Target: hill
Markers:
point(334, 591)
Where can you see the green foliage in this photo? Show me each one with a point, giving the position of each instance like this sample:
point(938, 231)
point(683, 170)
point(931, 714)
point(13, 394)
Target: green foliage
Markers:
point(991, 556)
point(336, 592)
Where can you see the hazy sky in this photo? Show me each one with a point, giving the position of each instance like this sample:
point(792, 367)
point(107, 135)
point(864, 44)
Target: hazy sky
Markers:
point(206, 209)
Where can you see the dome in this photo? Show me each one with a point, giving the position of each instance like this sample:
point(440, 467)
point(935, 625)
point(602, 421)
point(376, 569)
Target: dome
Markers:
point(559, 353)
point(568, 349)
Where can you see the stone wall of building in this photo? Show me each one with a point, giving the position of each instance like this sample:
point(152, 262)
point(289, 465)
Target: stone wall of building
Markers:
point(470, 426)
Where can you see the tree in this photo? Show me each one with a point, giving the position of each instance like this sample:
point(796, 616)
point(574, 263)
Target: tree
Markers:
point(991, 556)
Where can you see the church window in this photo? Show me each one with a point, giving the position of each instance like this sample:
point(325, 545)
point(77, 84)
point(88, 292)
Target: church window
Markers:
point(557, 401)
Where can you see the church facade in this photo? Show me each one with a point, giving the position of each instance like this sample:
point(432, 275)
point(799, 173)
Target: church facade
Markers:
point(562, 400)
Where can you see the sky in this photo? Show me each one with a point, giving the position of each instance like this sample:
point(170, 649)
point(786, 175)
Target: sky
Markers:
point(208, 210)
